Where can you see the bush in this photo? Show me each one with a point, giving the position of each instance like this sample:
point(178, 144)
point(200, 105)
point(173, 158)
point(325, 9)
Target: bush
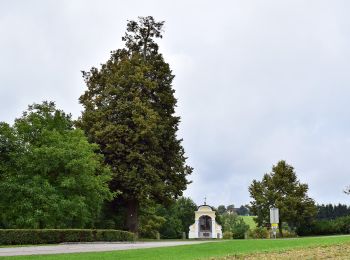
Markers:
point(51, 236)
point(239, 229)
point(286, 234)
point(259, 232)
point(234, 224)
point(227, 235)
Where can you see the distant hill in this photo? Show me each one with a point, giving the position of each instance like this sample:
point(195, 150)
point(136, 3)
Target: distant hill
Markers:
point(250, 221)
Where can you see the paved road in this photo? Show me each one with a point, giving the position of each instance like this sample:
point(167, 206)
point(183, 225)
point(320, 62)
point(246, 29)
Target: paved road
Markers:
point(88, 247)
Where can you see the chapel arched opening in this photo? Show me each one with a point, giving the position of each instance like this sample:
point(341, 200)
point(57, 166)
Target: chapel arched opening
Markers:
point(205, 226)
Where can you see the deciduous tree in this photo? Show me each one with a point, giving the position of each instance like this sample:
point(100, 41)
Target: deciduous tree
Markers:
point(281, 189)
point(221, 209)
point(50, 176)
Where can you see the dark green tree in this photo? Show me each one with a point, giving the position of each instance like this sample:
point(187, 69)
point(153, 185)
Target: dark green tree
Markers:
point(230, 208)
point(281, 189)
point(130, 113)
point(243, 211)
point(150, 221)
point(50, 176)
point(221, 209)
point(329, 211)
point(178, 217)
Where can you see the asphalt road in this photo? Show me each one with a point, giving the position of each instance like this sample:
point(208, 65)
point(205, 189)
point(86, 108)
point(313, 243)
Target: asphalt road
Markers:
point(88, 247)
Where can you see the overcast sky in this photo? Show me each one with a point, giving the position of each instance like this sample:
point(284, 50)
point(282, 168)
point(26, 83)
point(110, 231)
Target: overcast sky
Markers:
point(256, 81)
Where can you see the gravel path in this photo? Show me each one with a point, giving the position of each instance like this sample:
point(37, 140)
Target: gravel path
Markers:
point(88, 247)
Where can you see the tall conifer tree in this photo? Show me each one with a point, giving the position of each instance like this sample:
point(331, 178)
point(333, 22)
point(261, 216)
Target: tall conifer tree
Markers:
point(130, 113)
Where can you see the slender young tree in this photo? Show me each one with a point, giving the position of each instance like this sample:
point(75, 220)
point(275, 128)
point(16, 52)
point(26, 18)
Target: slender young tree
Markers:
point(130, 112)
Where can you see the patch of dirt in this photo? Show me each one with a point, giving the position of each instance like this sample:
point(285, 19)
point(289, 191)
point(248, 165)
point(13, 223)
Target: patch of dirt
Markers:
point(339, 251)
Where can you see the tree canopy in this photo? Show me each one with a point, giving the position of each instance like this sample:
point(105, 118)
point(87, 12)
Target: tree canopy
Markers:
point(50, 176)
point(129, 111)
point(281, 189)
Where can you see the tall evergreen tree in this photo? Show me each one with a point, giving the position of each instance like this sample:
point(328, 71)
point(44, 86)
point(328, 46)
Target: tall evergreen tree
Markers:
point(130, 113)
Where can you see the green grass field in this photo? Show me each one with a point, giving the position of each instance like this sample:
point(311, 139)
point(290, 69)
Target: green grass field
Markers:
point(250, 221)
point(202, 251)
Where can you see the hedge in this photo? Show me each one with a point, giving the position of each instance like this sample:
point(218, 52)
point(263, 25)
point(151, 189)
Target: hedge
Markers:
point(54, 236)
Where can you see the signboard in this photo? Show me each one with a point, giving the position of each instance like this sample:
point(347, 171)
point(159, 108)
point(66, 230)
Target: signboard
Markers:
point(274, 220)
point(274, 216)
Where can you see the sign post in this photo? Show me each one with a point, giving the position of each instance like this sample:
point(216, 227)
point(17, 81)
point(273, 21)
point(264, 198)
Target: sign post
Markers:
point(274, 220)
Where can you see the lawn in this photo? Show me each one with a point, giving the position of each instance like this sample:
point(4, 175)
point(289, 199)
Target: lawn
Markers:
point(250, 221)
point(200, 251)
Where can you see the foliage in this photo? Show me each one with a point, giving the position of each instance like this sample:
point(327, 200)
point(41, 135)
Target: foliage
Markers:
point(150, 222)
point(129, 111)
point(51, 236)
point(259, 233)
point(50, 176)
point(287, 234)
point(178, 217)
point(170, 222)
point(230, 208)
point(227, 235)
point(339, 225)
point(281, 189)
point(330, 211)
point(221, 209)
point(243, 211)
point(235, 224)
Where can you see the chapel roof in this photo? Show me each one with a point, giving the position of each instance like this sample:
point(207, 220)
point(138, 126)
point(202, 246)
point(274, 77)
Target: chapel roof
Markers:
point(205, 205)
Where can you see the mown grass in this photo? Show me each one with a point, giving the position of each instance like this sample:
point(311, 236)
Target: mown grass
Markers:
point(200, 251)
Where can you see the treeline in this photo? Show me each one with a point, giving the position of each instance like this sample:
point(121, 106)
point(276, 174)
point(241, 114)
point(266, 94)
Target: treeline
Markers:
point(330, 211)
point(241, 211)
point(340, 225)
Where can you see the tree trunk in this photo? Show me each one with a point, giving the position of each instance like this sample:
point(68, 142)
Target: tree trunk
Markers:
point(132, 216)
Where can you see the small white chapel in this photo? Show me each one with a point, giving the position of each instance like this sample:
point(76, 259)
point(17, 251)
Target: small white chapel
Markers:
point(205, 225)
